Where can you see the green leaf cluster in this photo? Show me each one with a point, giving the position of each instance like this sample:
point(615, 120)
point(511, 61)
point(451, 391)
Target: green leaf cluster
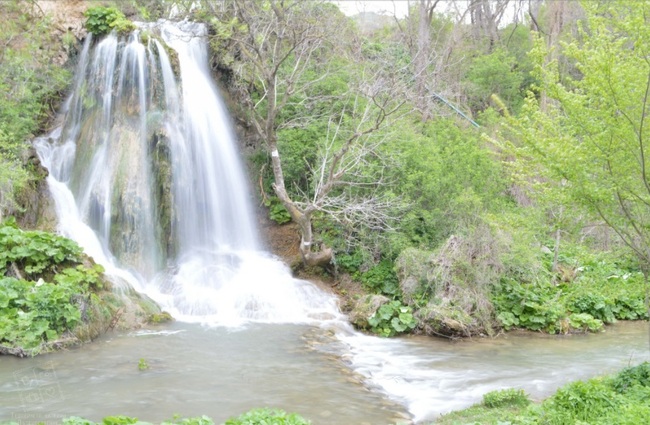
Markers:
point(277, 211)
point(530, 306)
point(101, 20)
point(603, 289)
point(43, 287)
point(391, 319)
point(34, 252)
point(381, 279)
point(32, 314)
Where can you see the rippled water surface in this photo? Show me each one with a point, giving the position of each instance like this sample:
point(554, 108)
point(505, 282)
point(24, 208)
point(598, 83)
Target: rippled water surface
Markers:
point(195, 370)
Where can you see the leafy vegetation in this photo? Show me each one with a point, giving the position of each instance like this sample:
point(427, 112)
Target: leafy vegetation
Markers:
point(391, 319)
point(507, 397)
point(101, 20)
point(619, 399)
point(30, 87)
point(267, 416)
point(45, 289)
point(263, 416)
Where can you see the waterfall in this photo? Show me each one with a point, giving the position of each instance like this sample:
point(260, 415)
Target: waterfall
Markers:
point(146, 176)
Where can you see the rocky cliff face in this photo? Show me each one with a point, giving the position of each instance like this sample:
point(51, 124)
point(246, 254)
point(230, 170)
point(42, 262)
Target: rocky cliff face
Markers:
point(67, 30)
point(67, 23)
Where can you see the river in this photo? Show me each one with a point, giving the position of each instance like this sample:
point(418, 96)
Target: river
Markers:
point(220, 372)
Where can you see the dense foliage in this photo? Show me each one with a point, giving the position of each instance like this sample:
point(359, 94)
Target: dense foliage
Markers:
point(30, 86)
point(45, 288)
point(102, 20)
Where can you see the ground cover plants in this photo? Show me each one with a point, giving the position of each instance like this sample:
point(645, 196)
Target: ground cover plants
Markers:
point(619, 399)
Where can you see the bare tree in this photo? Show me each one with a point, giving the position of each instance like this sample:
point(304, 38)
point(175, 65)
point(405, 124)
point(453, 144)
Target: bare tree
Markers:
point(486, 16)
point(422, 54)
point(277, 43)
point(431, 46)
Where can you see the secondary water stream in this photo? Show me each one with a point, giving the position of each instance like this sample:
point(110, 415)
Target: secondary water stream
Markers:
point(146, 177)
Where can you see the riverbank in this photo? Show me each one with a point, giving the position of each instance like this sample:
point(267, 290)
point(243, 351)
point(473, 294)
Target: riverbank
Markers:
point(620, 398)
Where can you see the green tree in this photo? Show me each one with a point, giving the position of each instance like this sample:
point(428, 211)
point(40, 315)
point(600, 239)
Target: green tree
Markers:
point(593, 134)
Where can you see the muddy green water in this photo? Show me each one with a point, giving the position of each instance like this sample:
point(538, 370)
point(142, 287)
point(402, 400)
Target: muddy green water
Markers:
point(194, 370)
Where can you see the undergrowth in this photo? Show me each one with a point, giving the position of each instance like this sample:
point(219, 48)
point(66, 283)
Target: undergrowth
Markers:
point(620, 399)
point(44, 284)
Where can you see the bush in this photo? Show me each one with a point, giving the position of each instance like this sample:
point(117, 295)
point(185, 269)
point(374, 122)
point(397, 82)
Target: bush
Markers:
point(585, 321)
point(632, 376)
point(583, 401)
point(34, 313)
point(35, 253)
point(596, 305)
point(528, 306)
point(42, 285)
point(277, 211)
point(102, 20)
point(507, 397)
point(381, 279)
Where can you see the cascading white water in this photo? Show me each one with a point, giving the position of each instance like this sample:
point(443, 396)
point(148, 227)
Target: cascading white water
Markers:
point(150, 164)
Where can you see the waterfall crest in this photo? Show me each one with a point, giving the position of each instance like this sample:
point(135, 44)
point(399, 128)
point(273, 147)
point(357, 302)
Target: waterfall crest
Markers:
point(146, 176)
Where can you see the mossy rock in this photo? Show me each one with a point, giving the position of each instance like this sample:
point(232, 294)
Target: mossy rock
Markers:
point(365, 308)
point(445, 319)
point(162, 317)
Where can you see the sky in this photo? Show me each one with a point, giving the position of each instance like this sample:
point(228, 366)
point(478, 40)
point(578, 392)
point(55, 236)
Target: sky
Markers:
point(399, 8)
point(389, 7)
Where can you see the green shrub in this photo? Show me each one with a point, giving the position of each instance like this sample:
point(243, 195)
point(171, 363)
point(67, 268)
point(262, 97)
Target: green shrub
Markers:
point(391, 319)
point(381, 279)
point(42, 286)
point(528, 306)
point(34, 313)
point(585, 321)
point(350, 262)
point(632, 376)
point(35, 252)
point(277, 211)
point(102, 20)
point(583, 401)
point(595, 305)
point(268, 417)
point(506, 397)
point(627, 307)
point(119, 420)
